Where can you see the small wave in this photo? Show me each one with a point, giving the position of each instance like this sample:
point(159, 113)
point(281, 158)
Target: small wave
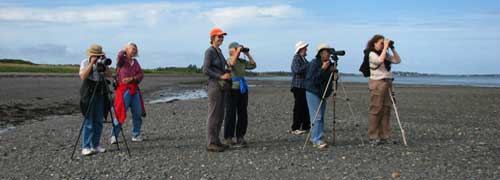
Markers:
point(4, 130)
point(186, 95)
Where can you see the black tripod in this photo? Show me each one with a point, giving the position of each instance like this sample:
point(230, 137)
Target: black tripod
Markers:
point(336, 79)
point(107, 94)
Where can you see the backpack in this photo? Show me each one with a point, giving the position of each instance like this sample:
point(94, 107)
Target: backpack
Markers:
point(365, 66)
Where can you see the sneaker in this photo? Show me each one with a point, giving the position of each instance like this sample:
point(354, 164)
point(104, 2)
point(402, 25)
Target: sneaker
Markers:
point(137, 139)
point(228, 142)
point(113, 140)
point(374, 142)
point(87, 151)
point(296, 132)
point(320, 145)
point(300, 132)
point(241, 142)
point(215, 148)
point(99, 149)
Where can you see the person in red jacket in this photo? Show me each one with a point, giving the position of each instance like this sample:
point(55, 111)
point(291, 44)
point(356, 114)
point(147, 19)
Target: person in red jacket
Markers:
point(129, 75)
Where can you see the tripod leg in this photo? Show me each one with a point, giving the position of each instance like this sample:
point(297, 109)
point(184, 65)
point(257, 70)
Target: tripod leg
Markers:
point(121, 132)
point(125, 141)
point(334, 113)
point(352, 111)
point(397, 117)
point(77, 140)
point(90, 106)
point(317, 110)
point(114, 130)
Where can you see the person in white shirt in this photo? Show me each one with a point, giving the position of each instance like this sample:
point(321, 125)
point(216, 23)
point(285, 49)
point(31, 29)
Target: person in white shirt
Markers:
point(93, 101)
point(379, 84)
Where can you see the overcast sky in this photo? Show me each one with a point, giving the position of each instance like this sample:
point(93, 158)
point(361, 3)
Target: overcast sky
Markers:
point(447, 37)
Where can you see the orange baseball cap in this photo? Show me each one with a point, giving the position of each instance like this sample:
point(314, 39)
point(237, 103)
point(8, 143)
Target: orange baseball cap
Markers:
point(217, 32)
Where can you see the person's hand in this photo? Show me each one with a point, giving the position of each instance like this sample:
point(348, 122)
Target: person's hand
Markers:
point(332, 68)
point(325, 65)
point(93, 59)
point(225, 76)
point(238, 49)
point(386, 43)
point(127, 80)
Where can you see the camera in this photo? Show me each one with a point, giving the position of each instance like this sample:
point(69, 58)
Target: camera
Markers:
point(244, 49)
point(391, 44)
point(102, 62)
point(335, 54)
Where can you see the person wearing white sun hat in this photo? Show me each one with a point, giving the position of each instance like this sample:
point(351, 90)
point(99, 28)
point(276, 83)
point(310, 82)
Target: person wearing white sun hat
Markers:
point(301, 123)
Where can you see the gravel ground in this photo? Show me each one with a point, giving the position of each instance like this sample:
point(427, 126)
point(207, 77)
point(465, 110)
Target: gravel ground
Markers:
point(452, 134)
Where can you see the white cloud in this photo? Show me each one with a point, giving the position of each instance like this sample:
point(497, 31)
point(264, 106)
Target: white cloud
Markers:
point(146, 12)
point(233, 16)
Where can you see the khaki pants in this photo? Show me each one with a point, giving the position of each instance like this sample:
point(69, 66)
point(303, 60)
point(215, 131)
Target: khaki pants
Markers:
point(380, 109)
point(215, 112)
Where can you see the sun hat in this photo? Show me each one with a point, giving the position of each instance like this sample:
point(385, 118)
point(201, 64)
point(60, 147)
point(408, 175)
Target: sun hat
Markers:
point(322, 46)
point(95, 50)
point(217, 32)
point(299, 45)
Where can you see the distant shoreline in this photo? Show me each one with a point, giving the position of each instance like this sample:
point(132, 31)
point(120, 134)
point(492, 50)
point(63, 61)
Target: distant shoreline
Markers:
point(14, 66)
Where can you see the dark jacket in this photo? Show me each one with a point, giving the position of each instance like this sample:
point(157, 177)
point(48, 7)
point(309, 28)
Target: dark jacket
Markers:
point(299, 69)
point(86, 91)
point(214, 64)
point(317, 78)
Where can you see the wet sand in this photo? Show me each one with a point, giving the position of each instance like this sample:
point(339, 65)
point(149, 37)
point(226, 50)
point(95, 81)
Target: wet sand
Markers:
point(452, 132)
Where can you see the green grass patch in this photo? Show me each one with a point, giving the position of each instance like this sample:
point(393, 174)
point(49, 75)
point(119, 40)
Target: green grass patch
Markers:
point(38, 68)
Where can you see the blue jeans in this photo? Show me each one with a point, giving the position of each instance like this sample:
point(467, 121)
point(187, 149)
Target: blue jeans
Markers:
point(316, 125)
point(92, 125)
point(133, 102)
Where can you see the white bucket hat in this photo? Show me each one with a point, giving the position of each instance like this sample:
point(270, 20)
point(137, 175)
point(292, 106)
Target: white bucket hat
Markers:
point(322, 46)
point(299, 45)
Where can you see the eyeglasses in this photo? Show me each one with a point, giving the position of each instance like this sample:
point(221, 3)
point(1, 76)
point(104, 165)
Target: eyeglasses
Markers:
point(220, 36)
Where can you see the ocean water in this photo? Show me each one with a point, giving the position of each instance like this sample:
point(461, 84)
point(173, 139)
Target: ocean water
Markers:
point(477, 81)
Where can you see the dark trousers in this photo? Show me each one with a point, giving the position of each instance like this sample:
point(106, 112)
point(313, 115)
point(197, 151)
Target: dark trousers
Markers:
point(236, 106)
point(300, 110)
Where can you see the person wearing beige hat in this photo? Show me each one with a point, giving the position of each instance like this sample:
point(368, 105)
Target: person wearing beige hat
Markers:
point(301, 123)
point(219, 81)
point(93, 105)
point(317, 77)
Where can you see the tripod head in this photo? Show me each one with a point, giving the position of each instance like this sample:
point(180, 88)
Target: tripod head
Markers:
point(335, 54)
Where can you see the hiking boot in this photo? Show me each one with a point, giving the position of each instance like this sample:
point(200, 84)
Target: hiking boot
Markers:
point(240, 142)
point(228, 142)
point(215, 148)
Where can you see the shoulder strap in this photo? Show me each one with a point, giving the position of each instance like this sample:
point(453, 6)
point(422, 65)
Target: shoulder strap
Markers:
point(218, 55)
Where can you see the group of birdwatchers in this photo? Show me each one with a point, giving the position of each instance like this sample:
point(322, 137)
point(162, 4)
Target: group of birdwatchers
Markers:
point(227, 92)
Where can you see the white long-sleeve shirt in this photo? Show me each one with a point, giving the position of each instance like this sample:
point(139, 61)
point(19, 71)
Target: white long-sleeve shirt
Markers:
point(381, 72)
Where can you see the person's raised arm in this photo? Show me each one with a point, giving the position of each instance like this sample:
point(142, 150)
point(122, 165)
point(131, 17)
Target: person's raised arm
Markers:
point(85, 70)
point(397, 58)
point(383, 55)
